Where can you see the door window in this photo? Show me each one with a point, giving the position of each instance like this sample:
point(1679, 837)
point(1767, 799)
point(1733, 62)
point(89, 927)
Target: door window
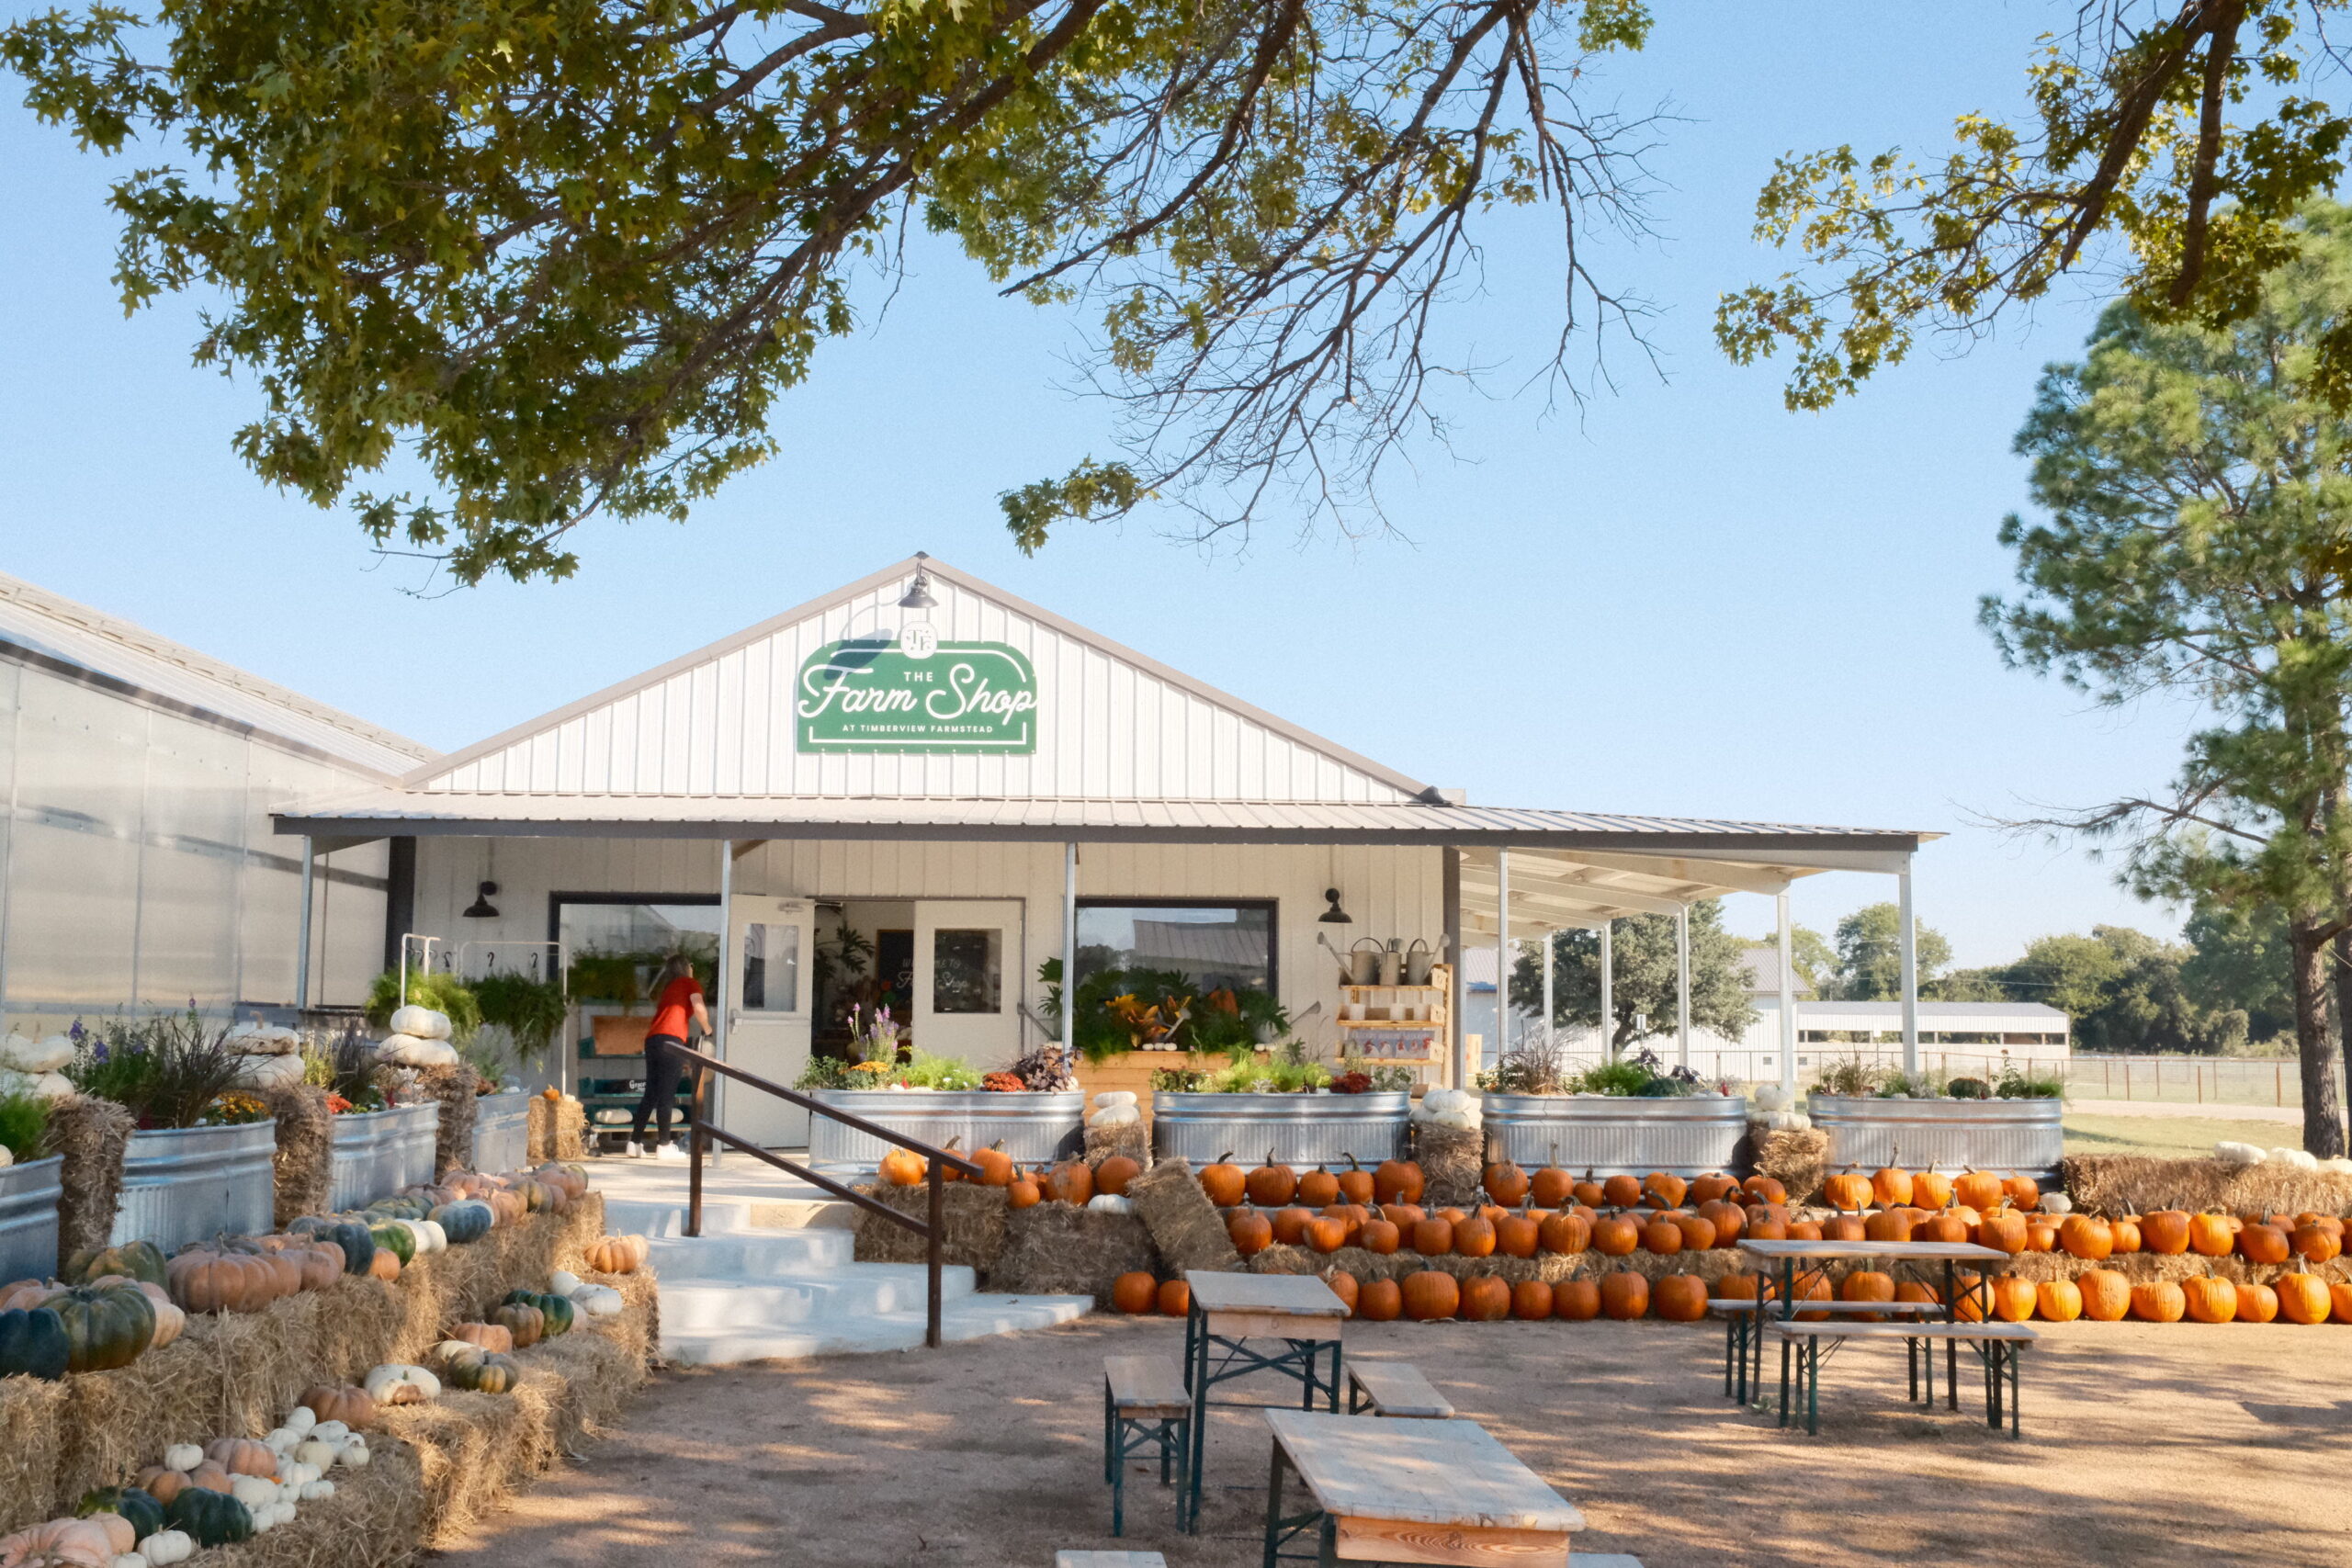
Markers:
point(968, 970)
point(770, 967)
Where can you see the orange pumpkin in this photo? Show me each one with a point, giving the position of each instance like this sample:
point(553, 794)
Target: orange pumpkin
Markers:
point(1713, 1188)
point(2256, 1303)
point(1136, 1291)
point(1113, 1174)
point(2302, 1296)
point(2086, 1236)
point(1271, 1185)
point(1888, 1225)
point(1023, 1191)
point(2164, 1233)
point(1866, 1285)
point(996, 1166)
point(1944, 1225)
point(1625, 1294)
point(1976, 1189)
point(1070, 1182)
point(1618, 1235)
point(1844, 1227)
point(2210, 1235)
point(1530, 1300)
point(2022, 1192)
point(1433, 1238)
point(1380, 1300)
point(1518, 1235)
point(1319, 1188)
point(1621, 1192)
point(2316, 1242)
point(1765, 1188)
point(1804, 1230)
point(1223, 1183)
point(2014, 1299)
point(2107, 1294)
point(1398, 1181)
point(1325, 1234)
point(1930, 1189)
point(1290, 1225)
point(1662, 1236)
point(2158, 1301)
point(1566, 1231)
point(2003, 1230)
point(1402, 1215)
point(1252, 1233)
point(1914, 1290)
point(1589, 1193)
point(1175, 1298)
point(1355, 1183)
point(1551, 1187)
point(2264, 1243)
point(1380, 1237)
point(1505, 1183)
point(1345, 1286)
point(1577, 1299)
point(2210, 1300)
point(1698, 1232)
point(1661, 1191)
point(1430, 1295)
point(2059, 1301)
point(902, 1166)
point(1891, 1185)
point(1680, 1298)
point(1727, 1217)
point(1474, 1237)
point(2339, 1298)
point(1765, 1223)
point(1848, 1190)
point(1485, 1298)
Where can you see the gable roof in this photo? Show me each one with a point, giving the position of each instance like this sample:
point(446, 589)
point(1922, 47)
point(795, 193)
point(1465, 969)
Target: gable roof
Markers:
point(73, 639)
point(1114, 724)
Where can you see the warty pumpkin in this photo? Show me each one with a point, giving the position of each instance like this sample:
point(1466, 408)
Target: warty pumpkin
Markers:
point(1135, 1292)
point(1625, 1294)
point(1271, 1185)
point(1430, 1295)
point(2107, 1294)
point(1380, 1300)
point(1485, 1298)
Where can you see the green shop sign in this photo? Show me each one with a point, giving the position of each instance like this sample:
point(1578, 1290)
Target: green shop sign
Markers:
point(916, 693)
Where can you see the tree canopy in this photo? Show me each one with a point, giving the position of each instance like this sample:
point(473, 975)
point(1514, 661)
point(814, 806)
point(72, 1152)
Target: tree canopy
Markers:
point(2196, 483)
point(1644, 977)
point(1870, 955)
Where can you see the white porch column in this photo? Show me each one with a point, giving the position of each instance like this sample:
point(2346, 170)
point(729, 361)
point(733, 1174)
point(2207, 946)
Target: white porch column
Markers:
point(730, 974)
point(1788, 1000)
point(1502, 954)
point(1909, 939)
point(1070, 946)
point(302, 961)
point(1682, 986)
point(1608, 995)
point(1548, 983)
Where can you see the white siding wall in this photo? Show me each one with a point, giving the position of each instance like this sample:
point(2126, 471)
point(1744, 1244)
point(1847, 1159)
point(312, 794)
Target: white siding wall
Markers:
point(1390, 892)
point(1105, 729)
point(140, 868)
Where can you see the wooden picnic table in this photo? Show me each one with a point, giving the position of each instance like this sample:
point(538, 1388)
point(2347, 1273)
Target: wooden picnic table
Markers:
point(1789, 1254)
point(1411, 1492)
point(1227, 1311)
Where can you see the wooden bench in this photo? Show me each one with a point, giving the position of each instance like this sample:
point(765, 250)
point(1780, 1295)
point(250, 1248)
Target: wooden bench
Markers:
point(1146, 1408)
point(1394, 1388)
point(2002, 1346)
point(1069, 1559)
point(1743, 1345)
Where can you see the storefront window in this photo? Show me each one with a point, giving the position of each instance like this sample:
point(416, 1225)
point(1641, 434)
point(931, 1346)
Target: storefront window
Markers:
point(968, 971)
point(770, 967)
point(1227, 945)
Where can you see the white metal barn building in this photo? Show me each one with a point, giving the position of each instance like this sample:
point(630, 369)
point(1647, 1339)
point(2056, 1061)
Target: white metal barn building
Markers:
point(139, 867)
point(923, 756)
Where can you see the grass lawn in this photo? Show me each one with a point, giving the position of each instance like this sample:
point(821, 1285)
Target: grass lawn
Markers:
point(2171, 1135)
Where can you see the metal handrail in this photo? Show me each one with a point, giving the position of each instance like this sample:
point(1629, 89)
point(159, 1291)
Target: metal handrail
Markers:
point(937, 1162)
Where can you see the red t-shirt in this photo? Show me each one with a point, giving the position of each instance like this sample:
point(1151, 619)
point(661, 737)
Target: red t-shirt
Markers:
point(676, 1006)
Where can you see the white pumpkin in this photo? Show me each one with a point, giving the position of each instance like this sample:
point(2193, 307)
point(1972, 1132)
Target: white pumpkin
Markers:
point(1769, 1096)
point(52, 1087)
point(8, 1157)
point(183, 1456)
point(35, 1058)
point(166, 1547)
point(2057, 1203)
point(269, 1072)
point(281, 1440)
point(253, 1491)
point(128, 1560)
point(317, 1490)
point(1116, 1116)
point(398, 1382)
point(2337, 1167)
point(301, 1418)
point(562, 1282)
point(421, 1022)
point(264, 1520)
point(296, 1472)
point(2295, 1159)
point(315, 1451)
point(603, 1301)
point(1111, 1203)
point(354, 1456)
point(1111, 1096)
point(330, 1431)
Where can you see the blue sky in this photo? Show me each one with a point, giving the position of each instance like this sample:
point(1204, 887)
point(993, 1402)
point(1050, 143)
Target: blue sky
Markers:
point(1682, 600)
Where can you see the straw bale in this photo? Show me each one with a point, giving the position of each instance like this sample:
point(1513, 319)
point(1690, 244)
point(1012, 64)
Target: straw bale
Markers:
point(1132, 1140)
point(1061, 1249)
point(304, 1162)
point(2135, 1184)
point(32, 1441)
point(1453, 1161)
point(973, 1224)
point(1184, 1223)
point(91, 1135)
point(1796, 1157)
point(373, 1520)
point(454, 1090)
point(556, 1128)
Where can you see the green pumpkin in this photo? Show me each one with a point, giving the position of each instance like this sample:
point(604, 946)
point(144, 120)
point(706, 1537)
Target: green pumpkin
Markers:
point(33, 1344)
point(489, 1372)
point(399, 1208)
point(464, 1222)
point(106, 1325)
point(212, 1518)
point(555, 1309)
point(358, 1243)
point(145, 1514)
point(132, 1260)
point(397, 1239)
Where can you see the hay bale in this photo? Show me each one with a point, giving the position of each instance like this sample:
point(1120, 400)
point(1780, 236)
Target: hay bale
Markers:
point(1453, 1162)
point(32, 1441)
point(1061, 1249)
point(2136, 1184)
point(556, 1128)
point(304, 1162)
point(1181, 1221)
point(373, 1520)
point(1796, 1157)
point(1132, 1141)
point(454, 1090)
point(973, 1224)
point(91, 1135)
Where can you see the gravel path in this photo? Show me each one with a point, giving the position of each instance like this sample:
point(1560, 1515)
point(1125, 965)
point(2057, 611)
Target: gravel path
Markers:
point(2144, 1445)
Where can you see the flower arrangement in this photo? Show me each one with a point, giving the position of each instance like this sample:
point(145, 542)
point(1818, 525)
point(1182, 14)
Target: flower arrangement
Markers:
point(233, 1109)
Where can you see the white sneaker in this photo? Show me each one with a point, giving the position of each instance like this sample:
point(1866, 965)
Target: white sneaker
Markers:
point(670, 1152)
point(631, 1151)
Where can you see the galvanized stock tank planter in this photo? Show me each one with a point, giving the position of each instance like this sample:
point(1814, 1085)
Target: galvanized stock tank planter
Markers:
point(1612, 1134)
point(1301, 1129)
point(2022, 1136)
point(182, 1184)
point(377, 1152)
point(502, 1131)
point(1035, 1128)
point(29, 1194)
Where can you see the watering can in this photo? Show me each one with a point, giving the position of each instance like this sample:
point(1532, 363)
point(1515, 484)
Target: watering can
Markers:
point(1392, 964)
point(1364, 961)
point(1420, 960)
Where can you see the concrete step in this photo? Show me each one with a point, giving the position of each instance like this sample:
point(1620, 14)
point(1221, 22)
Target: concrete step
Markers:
point(750, 1255)
point(630, 1216)
point(967, 1317)
point(867, 1290)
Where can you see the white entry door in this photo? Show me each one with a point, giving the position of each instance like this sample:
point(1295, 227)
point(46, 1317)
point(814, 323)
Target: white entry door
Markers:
point(967, 979)
point(768, 944)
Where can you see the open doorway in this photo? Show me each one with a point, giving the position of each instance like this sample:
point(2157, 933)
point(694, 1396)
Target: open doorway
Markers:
point(948, 970)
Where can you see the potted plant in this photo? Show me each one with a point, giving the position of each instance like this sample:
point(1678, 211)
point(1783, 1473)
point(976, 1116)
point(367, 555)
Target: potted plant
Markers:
point(1034, 1108)
point(2011, 1121)
point(1285, 1106)
point(376, 1145)
point(30, 1188)
point(1631, 1115)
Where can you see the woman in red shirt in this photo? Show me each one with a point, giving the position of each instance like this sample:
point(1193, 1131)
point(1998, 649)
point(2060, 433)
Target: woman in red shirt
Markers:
point(678, 997)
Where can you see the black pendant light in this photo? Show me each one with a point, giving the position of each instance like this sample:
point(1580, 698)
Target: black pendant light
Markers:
point(1334, 915)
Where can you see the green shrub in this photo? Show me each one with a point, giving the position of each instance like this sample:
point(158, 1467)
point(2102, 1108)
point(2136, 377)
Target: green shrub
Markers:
point(168, 1070)
point(24, 1125)
point(529, 1010)
point(1969, 1089)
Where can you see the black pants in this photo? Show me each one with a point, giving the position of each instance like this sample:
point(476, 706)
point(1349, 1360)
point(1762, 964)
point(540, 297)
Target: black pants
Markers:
point(663, 1069)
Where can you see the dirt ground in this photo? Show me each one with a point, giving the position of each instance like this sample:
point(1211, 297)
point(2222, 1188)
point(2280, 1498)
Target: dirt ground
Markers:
point(2144, 1445)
